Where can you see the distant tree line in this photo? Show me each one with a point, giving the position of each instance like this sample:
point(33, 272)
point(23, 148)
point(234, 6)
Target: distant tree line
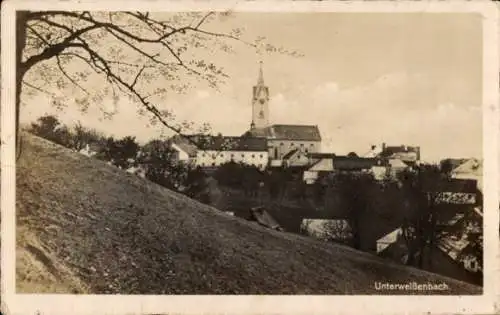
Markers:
point(155, 159)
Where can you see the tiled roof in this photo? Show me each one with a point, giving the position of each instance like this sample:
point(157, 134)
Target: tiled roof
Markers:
point(471, 166)
point(390, 238)
point(260, 215)
point(453, 245)
point(189, 148)
point(403, 152)
point(353, 163)
point(318, 155)
point(454, 162)
point(390, 150)
point(288, 132)
point(222, 143)
point(397, 163)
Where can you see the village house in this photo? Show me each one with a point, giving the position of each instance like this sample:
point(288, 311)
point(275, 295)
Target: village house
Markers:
point(459, 221)
point(444, 258)
point(322, 163)
point(410, 155)
point(393, 246)
point(185, 152)
point(213, 151)
point(396, 159)
point(470, 169)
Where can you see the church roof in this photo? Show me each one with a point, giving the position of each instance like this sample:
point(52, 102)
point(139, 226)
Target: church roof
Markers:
point(353, 163)
point(288, 132)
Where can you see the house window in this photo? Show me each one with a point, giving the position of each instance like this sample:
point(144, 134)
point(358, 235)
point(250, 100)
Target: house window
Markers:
point(202, 164)
point(222, 155)
point(281, 143)
point(232, 155)
point(213, 163)
point(242, 155)
point(261, 156)
point(307, 150)
point(260, 165)
point(311, 145)
point(253, 156)
point(203, 155)
point(276, 153)
point(301, 144)
point(473, 265)
point(292, 144)
point(213, 156)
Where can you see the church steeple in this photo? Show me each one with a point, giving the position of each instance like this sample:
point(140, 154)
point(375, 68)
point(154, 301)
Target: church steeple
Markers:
point(260, 80)
point(260, 99)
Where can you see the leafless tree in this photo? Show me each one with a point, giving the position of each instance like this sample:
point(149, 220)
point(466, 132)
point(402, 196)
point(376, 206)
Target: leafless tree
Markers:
point(121, 54)
point(82, 136)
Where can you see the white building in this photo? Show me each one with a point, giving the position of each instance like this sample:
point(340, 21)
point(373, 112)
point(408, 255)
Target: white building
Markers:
point(320, 163)
point(184, 152)
point(213, 151)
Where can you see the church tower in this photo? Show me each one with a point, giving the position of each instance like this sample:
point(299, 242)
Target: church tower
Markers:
point(260, 103)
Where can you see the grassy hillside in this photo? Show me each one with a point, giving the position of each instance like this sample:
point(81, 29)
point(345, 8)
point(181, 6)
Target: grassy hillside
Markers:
point(87, 227)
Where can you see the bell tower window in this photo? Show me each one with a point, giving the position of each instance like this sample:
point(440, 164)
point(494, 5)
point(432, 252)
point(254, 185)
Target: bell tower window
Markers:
point(260, 101)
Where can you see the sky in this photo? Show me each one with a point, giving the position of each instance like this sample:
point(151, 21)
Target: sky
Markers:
point(363, 78)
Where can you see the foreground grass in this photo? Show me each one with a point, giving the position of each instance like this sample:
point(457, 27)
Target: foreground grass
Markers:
point(86, 227)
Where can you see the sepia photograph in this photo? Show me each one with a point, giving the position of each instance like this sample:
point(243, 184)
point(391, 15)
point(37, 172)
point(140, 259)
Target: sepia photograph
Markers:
point(225, 150)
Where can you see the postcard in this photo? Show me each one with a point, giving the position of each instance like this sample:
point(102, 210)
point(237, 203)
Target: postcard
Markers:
point(253, 157)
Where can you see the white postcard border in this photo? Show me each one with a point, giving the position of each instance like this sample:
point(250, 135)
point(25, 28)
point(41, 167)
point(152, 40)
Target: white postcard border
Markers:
point(121, 304)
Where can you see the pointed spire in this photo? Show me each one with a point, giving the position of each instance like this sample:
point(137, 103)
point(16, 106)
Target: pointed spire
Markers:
point(260, 81)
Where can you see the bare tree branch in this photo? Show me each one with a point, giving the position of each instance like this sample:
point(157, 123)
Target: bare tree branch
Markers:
point(37, 88)
point(53, 50)
point(203, 19)
point(137, 77)
point(61, 68)
point(74, 41)
point(140, 51)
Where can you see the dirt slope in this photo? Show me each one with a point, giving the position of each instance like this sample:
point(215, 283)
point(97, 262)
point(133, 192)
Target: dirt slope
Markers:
point(86, 227)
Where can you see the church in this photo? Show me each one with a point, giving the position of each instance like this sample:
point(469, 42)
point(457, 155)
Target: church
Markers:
point(283, 140)
point(263, 145)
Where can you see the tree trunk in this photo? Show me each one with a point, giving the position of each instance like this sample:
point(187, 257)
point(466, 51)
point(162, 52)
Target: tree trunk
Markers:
point(21, 20)
point(424, 227)
point(432, 229)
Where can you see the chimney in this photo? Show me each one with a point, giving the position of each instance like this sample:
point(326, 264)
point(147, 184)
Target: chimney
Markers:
point(383, 146)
